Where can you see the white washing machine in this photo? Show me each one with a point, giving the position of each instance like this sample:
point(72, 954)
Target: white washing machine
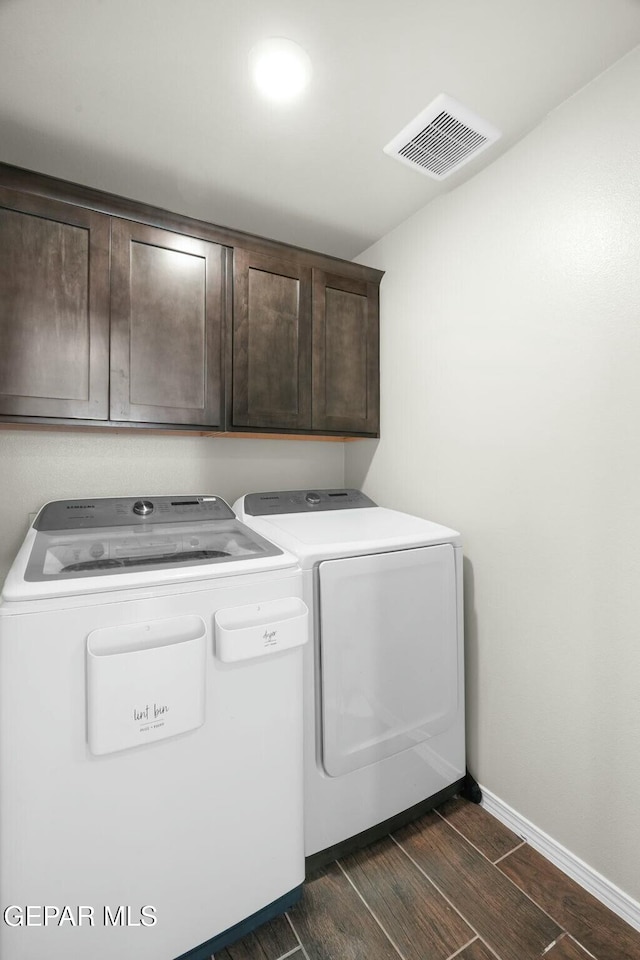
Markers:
point(150, 732)
point(384, 675)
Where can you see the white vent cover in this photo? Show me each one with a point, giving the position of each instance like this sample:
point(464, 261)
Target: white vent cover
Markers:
point(442, 138)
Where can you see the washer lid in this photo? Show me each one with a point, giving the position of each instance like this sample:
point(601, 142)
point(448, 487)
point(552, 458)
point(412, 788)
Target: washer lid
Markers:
point(66, 553)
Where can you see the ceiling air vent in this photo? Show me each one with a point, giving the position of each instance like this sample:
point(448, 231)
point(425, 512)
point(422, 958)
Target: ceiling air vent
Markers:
point(442, 138)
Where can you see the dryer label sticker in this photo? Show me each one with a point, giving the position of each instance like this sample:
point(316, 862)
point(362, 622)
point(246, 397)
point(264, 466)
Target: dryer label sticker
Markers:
point(270, 638)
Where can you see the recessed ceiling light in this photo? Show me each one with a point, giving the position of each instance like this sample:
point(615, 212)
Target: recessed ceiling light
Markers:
point(280, 68)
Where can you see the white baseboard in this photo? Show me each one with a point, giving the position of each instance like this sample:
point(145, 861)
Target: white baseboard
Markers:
point(601, 888)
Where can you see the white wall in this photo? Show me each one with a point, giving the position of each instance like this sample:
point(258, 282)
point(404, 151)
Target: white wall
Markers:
point(511, 411)
point(38, 465)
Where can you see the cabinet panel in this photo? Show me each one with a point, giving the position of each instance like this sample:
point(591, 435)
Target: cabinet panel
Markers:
point(271, 343)
point(345, 354)
point(54, 278)
point(167, 296)
point(165, 283)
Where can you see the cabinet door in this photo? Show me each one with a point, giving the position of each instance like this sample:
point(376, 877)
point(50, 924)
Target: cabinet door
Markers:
point(167, 303)
point(345, 354)
point(271, 343)
point(54, 309)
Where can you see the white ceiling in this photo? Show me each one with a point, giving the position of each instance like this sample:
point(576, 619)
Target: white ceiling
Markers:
point(151, 99)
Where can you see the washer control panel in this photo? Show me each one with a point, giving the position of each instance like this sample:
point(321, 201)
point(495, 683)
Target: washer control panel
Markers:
point(129, 511)
point(304, 501)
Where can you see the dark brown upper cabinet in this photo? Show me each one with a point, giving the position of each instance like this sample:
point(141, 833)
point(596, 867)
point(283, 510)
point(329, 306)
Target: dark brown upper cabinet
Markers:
point(345, 355)
point(114, 312)
point(271, 343)
point(167, 308)
point(305, 348)
point(54, 309)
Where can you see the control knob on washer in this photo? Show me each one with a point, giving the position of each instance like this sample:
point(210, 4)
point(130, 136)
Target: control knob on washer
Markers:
point(313, 498)
point(143, 508)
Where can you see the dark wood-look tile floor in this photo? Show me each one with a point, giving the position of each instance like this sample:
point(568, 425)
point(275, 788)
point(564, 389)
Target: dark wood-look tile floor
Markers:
point(454, 884)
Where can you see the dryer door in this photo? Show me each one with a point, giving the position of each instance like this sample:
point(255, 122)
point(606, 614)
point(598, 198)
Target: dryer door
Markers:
point(389, 653)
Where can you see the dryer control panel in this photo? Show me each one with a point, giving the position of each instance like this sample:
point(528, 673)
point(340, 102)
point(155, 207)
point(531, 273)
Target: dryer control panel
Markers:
point(304, 501)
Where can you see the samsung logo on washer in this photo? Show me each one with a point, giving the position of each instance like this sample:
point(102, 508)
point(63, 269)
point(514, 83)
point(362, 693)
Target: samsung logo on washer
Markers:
point(84, 916)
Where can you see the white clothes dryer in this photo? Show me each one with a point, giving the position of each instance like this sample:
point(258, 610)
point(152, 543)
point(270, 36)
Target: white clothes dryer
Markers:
point(384, 675)
point(150, 732)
